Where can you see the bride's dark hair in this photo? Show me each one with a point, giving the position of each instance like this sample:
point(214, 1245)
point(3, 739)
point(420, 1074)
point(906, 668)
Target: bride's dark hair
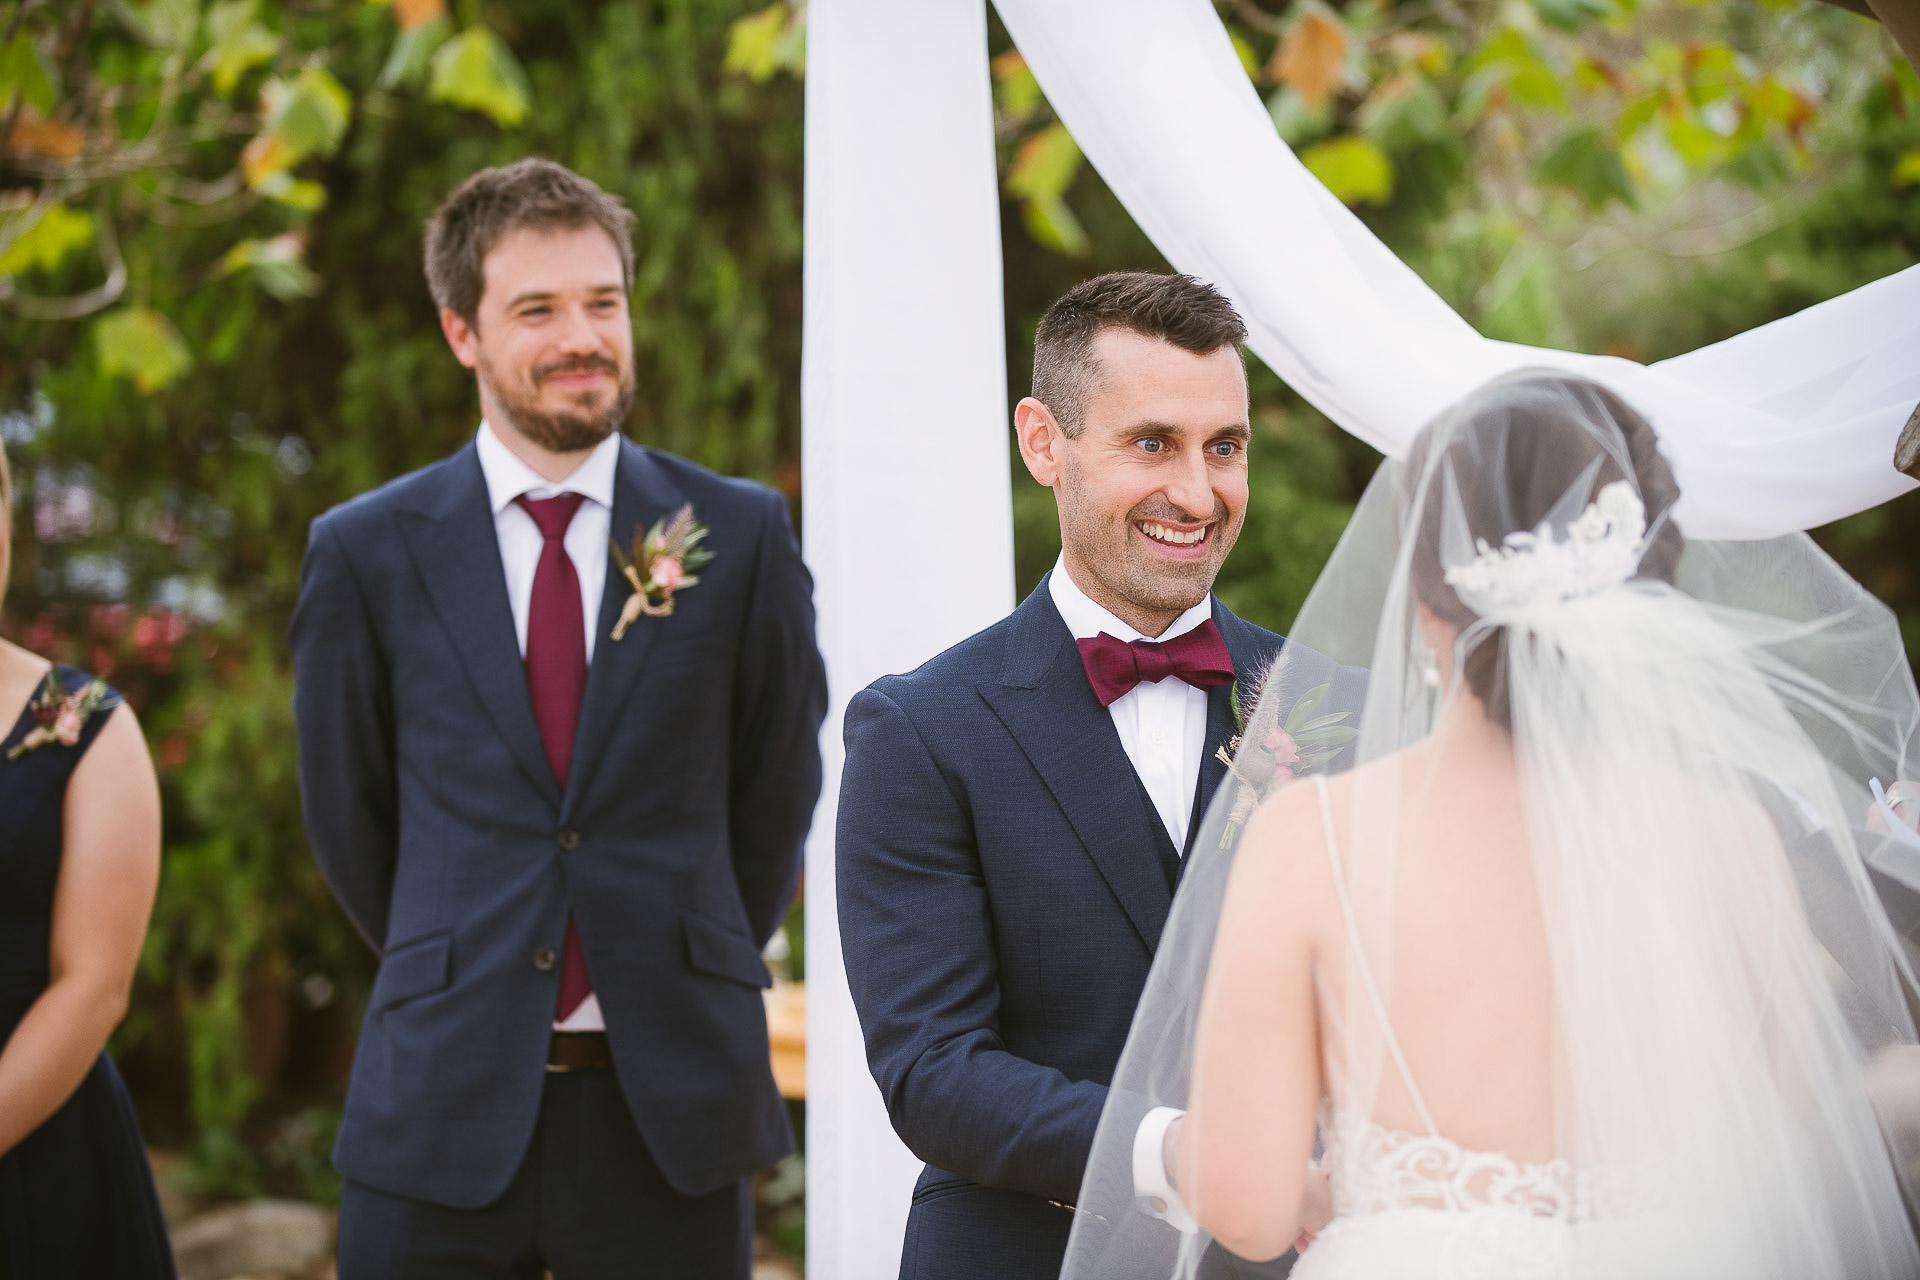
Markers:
point(1513, 450)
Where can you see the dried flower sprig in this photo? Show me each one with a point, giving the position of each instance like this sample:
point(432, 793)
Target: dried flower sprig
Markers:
point(60, 716)
point(662, 562)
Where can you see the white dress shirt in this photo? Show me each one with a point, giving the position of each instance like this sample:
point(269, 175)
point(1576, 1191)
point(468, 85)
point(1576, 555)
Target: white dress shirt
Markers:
point(1163, 724)
point(520, 543)
point(1163, 728)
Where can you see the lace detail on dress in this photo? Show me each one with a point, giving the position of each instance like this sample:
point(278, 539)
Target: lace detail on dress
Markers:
point(1376, 1169)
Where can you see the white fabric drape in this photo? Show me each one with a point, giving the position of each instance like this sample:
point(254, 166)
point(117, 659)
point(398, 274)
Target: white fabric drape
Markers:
point(1784, 428)
point(908, 524)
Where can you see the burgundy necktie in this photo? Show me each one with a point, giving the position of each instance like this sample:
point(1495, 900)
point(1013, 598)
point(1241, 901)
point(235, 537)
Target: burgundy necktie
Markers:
point(1115, 666)
point(556, 678)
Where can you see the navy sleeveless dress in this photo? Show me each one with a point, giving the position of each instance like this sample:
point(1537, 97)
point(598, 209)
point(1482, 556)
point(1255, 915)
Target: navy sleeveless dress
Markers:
point(76, 1194)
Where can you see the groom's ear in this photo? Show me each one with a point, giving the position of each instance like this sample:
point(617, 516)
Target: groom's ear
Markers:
point(1039, 434)
point(460, 336)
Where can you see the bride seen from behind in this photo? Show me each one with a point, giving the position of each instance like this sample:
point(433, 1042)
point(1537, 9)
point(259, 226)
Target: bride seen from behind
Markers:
point(1575, 969)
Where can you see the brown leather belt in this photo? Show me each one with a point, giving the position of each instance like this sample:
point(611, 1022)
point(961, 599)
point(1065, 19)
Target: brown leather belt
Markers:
point(579, 1051)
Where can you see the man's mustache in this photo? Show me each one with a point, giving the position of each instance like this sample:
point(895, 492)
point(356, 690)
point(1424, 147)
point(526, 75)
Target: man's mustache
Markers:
point(583, 365)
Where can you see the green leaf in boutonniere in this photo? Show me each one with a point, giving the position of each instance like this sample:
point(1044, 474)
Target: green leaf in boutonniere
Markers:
point(1280, 748)
point(662, 562)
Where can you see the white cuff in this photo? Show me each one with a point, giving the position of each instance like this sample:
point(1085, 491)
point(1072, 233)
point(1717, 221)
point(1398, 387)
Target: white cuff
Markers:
point(1152, 1188)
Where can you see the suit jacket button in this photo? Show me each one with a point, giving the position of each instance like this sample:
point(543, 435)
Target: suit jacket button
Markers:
point(543, 960)
point(569, 840)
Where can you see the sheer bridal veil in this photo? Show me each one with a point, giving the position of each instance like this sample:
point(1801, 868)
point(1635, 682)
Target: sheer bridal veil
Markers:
point(1696, 728)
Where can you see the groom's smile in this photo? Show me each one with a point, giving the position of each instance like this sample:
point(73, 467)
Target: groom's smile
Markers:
point(1188, 543)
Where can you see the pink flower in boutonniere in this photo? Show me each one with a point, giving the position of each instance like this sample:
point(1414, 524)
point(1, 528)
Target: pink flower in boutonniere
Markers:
point(661, 563)
point(59, 716)
point(668, 575)
point(1286, 754)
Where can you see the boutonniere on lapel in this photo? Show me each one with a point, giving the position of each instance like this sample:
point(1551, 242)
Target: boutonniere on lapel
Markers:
point(1278, 748)
point(59, 716)
point(662, 562)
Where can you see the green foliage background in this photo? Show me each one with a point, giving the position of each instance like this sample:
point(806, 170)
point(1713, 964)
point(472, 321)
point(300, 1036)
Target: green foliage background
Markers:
point(158, 533)
point(201, 493)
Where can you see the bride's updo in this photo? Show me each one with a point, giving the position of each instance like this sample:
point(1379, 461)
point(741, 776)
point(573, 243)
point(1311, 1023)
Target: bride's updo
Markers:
point(1506, 459)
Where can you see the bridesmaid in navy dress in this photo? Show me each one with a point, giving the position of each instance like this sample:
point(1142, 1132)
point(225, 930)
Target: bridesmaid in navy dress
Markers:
point(79, 861)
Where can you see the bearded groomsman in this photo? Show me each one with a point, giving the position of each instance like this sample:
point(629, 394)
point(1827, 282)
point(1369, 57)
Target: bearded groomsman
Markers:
point(562, 794)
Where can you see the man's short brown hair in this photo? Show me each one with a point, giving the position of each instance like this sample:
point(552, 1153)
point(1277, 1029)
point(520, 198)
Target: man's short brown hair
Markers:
point(531, 194)
point(1179, 309)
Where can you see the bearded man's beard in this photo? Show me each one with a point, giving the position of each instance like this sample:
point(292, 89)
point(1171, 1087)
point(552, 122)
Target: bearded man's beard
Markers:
point(572, 430)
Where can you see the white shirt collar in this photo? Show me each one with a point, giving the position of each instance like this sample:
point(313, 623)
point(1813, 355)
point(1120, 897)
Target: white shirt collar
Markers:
point(1086, 619)
point(507, 477)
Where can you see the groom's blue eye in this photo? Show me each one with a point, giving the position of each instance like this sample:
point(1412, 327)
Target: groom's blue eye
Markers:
point(1153, 446)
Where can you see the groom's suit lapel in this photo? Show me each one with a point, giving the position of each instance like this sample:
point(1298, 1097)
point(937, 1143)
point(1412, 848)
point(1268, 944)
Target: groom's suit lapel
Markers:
point(1044, 699)
point(450, 534)
point(641, 495)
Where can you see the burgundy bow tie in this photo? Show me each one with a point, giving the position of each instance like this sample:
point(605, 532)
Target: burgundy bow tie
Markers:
point(1115, 666)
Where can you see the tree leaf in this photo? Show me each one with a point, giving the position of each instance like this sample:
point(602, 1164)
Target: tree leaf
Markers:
point(1050, 222)
point(295, 193)
point(275, 266)
point(1758, 164)
point(416, 13)
point(1571, 15)
point(1312, 56)
point(142, 344)
point(310, 112)
point(46, 244)
point(1511, 61)
point(1694, 142)
point(1403, 111)
point(1297, 123)
point(412, 49)
point(1586, 161)
point(1354, 168)
point(1016, 93)
point(165, 24)
point(34, 134)
point(1045, 164)
point(24, 67)
point(1906, 171)
point(239, 43)
point(754, 42)
point(476, 70)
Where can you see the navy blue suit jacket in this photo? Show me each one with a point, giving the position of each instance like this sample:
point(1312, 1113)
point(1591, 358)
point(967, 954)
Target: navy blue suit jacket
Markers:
point(1002, 886)
point(438, 822)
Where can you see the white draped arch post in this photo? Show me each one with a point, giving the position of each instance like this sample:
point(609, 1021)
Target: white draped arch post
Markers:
point(907, 521)
point(907, 518)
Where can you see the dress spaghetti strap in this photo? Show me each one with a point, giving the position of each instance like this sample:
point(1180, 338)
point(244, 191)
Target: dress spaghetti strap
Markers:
point(1359, 956)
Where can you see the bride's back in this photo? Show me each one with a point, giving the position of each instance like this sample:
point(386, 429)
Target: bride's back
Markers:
point(1468, 990)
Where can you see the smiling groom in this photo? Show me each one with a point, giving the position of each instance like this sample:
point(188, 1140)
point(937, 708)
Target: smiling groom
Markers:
point(1015, 814)
point(565, 802)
